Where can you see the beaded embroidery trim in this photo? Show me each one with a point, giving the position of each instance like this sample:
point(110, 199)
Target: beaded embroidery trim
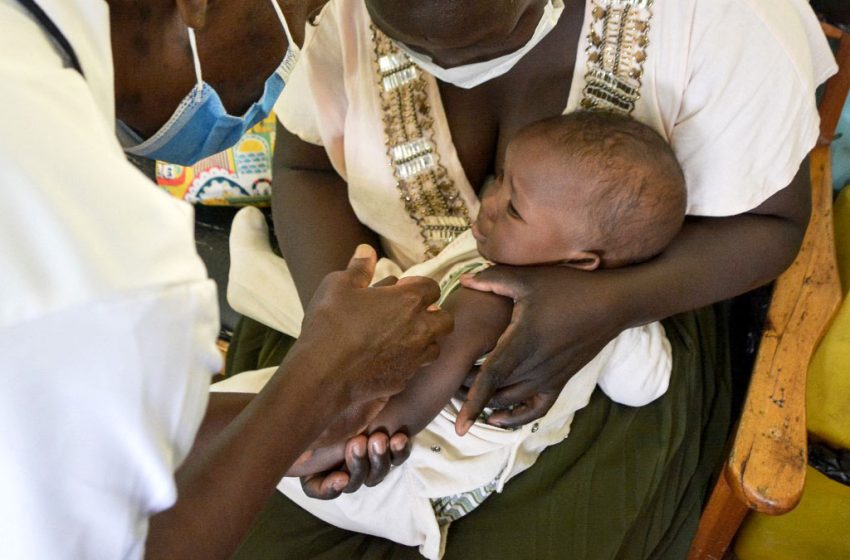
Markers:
point(616, 50)
point(429, 194)
point(451, 508)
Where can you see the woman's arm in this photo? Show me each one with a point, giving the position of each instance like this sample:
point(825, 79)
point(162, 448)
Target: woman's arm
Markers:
point(357, 344)
point(315, 225)
point(563, 317)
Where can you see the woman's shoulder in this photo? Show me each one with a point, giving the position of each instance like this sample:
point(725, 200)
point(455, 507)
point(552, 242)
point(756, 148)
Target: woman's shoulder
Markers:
point(709, 47)
point(783, 31)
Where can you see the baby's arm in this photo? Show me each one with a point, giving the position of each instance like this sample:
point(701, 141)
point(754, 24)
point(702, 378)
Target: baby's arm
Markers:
point(480, 318)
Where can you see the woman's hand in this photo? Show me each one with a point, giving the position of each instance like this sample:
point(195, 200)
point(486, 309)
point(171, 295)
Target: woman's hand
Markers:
point(367, 461)
point(561, 319)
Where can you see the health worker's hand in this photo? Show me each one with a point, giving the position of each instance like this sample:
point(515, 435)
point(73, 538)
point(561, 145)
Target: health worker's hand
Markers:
point(365, 343)
point(562, 318)
point(368, 460)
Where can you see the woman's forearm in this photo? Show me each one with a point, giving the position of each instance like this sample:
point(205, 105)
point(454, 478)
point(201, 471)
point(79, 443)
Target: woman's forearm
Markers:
point(718, 258)
point(564, 317)
point(315, 225)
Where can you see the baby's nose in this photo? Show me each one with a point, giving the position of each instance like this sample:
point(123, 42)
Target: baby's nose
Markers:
point(489, 207)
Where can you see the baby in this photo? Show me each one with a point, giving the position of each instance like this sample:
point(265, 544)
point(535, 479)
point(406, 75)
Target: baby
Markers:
point(588, 190)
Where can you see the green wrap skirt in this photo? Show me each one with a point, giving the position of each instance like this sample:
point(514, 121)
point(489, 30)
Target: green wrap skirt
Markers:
point(628, 483)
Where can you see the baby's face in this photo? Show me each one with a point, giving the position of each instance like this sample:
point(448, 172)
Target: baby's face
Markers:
point(528, 215)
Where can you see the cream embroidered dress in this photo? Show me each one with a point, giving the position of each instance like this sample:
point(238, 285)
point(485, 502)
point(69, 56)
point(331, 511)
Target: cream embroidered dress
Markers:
point(382, 123)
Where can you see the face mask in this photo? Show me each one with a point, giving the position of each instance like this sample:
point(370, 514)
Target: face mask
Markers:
point(201, 126)
point(470, 75)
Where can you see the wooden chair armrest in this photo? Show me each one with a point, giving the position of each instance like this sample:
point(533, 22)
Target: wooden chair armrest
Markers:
point(766, 468)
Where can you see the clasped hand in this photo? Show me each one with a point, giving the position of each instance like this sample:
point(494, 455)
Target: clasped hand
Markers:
point(561, 319)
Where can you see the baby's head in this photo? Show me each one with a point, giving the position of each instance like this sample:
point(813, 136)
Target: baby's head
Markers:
point(587, 189)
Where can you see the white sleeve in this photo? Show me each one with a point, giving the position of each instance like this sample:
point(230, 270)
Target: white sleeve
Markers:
point(638, 369)
point(748, 115)
point(78, 221)
point(313, 103)
point(99, 405)
point(107, 320)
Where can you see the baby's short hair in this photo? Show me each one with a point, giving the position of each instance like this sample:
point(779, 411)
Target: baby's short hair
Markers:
point(636, 195)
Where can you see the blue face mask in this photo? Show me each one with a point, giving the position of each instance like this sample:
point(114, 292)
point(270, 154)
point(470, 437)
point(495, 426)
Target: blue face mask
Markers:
point(201, 126)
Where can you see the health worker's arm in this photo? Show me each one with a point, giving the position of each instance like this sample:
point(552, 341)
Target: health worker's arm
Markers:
point(339, 360)
point(480, 318)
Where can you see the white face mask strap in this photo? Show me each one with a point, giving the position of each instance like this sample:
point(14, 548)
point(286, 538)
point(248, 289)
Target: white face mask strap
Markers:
point(282, 19)
point(194, 45)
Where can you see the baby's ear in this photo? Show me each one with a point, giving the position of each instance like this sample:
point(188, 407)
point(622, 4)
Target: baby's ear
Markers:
point(584, 260)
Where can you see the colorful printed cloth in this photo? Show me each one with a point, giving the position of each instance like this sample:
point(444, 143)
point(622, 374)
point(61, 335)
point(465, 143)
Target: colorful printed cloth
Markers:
point(239, 176)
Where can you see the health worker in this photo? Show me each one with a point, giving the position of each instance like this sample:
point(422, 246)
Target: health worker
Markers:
point(108, 321)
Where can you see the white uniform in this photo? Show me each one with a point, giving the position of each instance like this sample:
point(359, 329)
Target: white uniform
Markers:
point(107, 320)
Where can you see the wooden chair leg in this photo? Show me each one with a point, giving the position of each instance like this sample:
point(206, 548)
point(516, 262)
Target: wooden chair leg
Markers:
point(719, 523)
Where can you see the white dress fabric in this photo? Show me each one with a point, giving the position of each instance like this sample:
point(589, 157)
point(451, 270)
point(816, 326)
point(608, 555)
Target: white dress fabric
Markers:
point(107, 320)
point(633, 369)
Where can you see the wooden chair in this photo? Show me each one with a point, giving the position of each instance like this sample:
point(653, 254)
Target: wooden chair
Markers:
point(766, 467)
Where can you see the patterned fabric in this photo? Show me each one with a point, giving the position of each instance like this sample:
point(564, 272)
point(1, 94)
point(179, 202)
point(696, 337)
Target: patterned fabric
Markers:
point(429, 194)
point(239, 176)
point(452, 508)
point(452, 282)
point(616, 51)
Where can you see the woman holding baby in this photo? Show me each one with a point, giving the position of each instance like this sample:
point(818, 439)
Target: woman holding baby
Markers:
point(399, 112)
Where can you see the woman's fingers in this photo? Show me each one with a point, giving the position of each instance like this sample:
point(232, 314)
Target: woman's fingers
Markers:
point(357, 463)
point(479, 395)
point(368, 460)
point(399, 449)
point(514, 394)
point(379, 458)
point(372, 339)
point(502, 280)
point(324, 486)
point(508, 357)
point(361, 267)
point(500, 362)
point(530, 410)
point(427, 290)
point(387, 281)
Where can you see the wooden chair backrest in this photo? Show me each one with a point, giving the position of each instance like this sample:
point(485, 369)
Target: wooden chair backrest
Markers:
point(769, 477)
point(766, 467)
